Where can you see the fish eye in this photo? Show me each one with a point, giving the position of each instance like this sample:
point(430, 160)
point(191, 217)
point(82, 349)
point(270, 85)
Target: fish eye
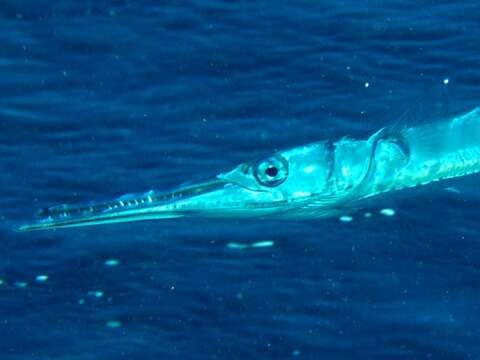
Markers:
point(272, 171)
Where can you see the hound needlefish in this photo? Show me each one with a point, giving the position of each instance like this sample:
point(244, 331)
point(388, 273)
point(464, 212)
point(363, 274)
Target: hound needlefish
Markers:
point(317, 180)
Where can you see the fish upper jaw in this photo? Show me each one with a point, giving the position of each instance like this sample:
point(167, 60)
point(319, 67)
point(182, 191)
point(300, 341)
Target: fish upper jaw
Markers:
point(237, 177)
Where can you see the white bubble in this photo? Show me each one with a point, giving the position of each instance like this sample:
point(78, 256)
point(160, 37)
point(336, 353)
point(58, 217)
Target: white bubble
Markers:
point(345, 218)
point(266, 243)
point(1, 282)
point(236, 246)
point(114, 324)
point(97, 293)
point(111, 262)
point(21, 284)
point(446, 81)
point(367, 214)
point(41, 278)
point(387, 212)
point(258, 244)
point(367, 84)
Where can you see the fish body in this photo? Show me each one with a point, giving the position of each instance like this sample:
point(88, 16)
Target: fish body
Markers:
point(321, 179)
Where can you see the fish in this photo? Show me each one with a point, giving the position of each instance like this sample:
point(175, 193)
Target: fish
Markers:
point(316, 180)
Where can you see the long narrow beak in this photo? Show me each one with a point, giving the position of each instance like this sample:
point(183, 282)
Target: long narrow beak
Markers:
point(132, 207)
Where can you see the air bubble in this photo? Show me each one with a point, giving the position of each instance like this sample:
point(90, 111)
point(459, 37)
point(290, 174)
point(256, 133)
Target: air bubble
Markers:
point(114, 324)
point(97, 293)
point(387, 212)
point(41, 278)
point(21, 284)
point(111, 262)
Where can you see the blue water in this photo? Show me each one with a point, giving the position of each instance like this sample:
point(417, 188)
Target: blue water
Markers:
point(102, 98)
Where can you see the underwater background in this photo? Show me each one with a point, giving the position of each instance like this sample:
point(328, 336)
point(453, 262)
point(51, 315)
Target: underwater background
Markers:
point(101, 98)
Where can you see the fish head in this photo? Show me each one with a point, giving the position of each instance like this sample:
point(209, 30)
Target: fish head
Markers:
point(271, 185)
point(284, 179)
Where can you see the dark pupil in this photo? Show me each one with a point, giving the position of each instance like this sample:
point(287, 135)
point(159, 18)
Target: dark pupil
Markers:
point(271, 171)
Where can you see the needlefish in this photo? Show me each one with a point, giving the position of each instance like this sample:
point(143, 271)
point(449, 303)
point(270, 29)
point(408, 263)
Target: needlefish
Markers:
point(317, 180)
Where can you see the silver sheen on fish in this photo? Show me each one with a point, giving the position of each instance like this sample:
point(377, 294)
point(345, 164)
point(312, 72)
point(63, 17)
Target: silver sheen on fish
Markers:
point(317, 180)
